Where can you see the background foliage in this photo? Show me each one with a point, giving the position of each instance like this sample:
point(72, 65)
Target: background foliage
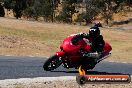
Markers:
point(64, 10)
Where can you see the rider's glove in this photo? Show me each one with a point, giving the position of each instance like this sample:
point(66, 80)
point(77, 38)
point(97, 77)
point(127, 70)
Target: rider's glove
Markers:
point(74, 42)
point(76, 38)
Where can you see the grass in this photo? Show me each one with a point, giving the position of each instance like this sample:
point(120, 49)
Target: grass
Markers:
point(43, 39)
point(121, 43)
point(46, 38)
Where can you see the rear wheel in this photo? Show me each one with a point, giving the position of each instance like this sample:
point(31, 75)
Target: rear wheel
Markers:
point(81, 80)
point(52, 63)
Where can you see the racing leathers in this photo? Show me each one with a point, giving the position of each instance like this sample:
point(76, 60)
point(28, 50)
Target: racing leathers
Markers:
point(96, 43)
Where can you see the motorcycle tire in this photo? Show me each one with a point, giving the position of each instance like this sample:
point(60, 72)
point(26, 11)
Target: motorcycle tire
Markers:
point(52, 63)
point(81, 79)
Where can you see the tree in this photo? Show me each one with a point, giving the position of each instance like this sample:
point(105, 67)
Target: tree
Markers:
point(2, 12)
point(92, 10)
point(129, 3)
point(82, 18)
point(67, 11)
point(17, 5)
point(40, 8)
point(8, 4)
point(109, 7)
point(48, 10)
point(20, 5)
point(104, 7)
point(107, 10)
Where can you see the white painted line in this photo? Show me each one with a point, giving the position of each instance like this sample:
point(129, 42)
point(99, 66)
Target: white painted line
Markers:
point(25, 56)
point(119, 62)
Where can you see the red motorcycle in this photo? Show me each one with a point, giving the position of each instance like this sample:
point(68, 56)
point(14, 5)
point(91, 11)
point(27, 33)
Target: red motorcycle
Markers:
point(71, 55)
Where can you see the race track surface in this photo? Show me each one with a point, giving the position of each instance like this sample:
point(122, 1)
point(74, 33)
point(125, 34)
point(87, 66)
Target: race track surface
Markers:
point(13, 67)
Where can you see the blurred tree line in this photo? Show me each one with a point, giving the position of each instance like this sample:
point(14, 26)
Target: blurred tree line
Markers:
point(63, 10)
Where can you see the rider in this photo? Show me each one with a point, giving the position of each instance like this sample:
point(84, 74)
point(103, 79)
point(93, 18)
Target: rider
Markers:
point(96, 42)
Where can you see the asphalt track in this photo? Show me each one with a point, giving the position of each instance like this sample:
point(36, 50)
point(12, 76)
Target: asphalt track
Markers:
point(13, 67)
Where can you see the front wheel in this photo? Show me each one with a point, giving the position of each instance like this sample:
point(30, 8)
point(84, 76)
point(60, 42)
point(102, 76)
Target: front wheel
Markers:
point(52, 63)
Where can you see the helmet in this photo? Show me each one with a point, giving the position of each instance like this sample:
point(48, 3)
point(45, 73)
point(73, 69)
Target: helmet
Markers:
point(94, 31)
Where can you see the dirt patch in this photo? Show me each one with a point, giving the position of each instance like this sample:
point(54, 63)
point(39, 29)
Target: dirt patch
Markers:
point(17, 45)
point(73, 84)
point(60, 82)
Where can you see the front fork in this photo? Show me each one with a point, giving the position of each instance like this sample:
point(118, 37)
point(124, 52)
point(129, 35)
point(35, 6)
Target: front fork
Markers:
point(65, 62)
point(62, 55)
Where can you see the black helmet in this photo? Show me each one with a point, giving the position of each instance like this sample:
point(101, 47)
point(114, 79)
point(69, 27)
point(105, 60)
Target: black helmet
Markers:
point(94, 31)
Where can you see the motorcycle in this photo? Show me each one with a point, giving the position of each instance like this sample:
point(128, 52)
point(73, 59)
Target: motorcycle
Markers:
point(71, 55)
